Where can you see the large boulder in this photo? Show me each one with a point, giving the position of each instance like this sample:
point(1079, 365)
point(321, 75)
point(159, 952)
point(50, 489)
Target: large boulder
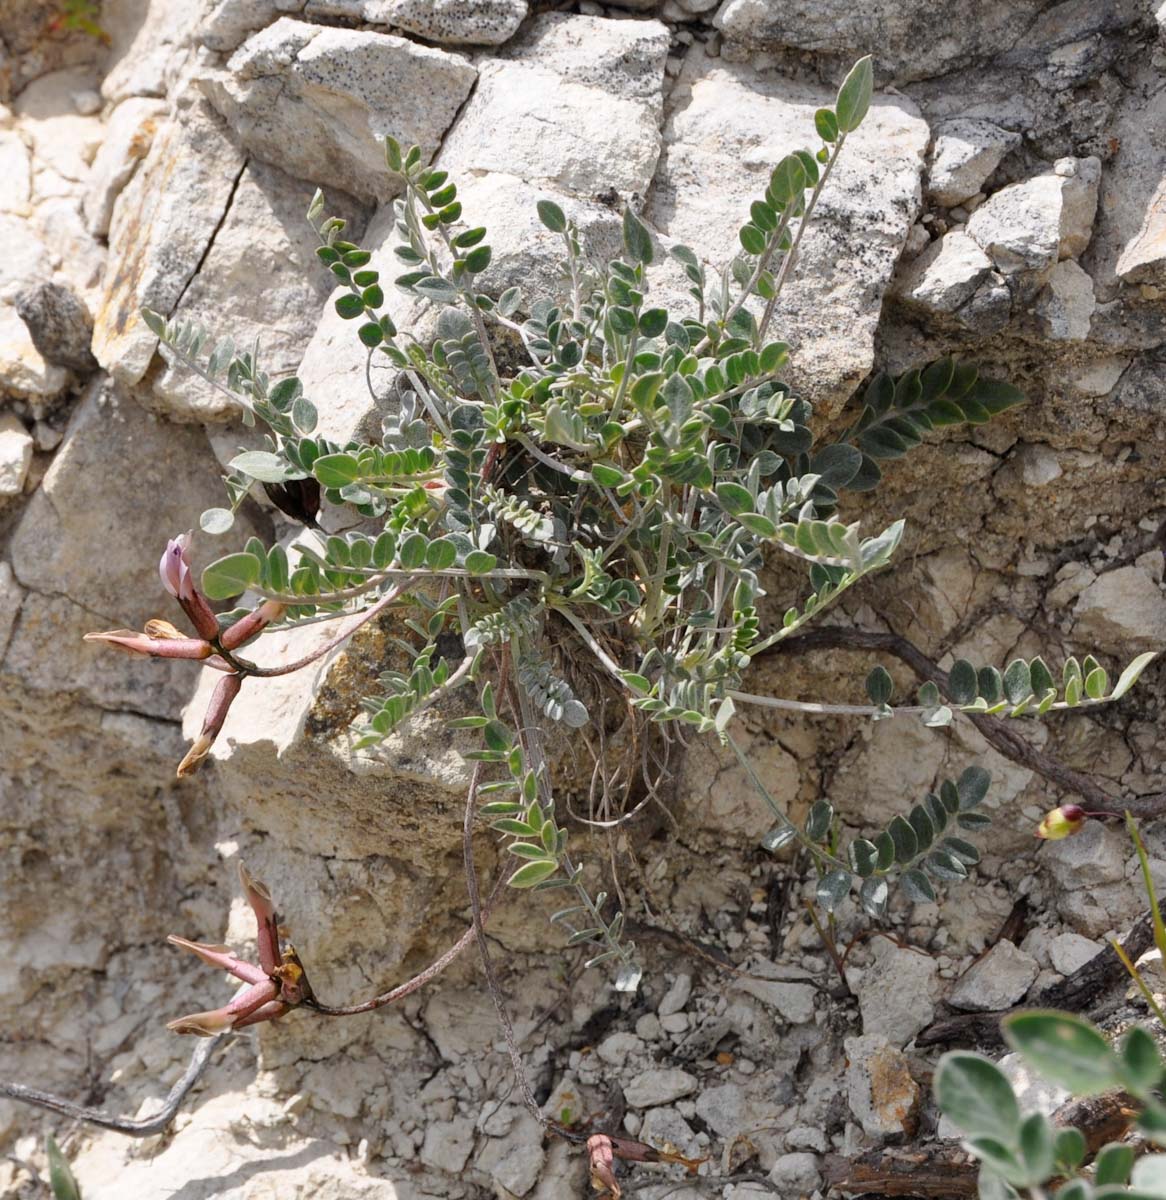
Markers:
point(318, 102)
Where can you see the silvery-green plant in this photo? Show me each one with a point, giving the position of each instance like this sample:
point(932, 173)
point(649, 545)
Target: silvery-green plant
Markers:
point(1021, 1154)
point(583, 533)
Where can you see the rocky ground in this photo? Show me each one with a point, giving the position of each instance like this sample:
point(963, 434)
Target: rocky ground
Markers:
point(1006, 200)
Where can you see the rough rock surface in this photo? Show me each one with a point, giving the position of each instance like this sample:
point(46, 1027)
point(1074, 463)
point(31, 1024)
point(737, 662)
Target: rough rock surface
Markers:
point(318, 102)
point(998, 980)
point(1003, 203)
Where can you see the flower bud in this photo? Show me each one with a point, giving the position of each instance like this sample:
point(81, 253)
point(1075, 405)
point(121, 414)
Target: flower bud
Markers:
point(259, 897)
point(1061, 822)
point(153, 646)
point(221, 699)
point(246, 627)
point(174, 571)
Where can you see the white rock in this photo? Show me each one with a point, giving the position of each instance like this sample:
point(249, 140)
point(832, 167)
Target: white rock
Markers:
point(1036, 465)
point(946, 275)
point(965, 153)
point(1143, 260)
point(660, 1085)
point(24, 374)
point(151, 41)
point(156, 245)
point(260, 278)
point(87, 548)
point(11, 596)
point(723, 1109)
point(617, 1048)
point(1122, 611)
point(514, 1162)
point(62, 139)
point(1069, 951)
point(1029, 226)
point(15, 455)
point(897, 994)
point(997, 980)
point(880, 1091)
point(908, 40)
point(796, 1174)
point(448, 1144)
point(794, 1002)
point(15, 174)
point(576, 104)
point(665, 1125)
point(727, 130)
point(452, 22)
point(128, 135)
point(317, 102)
point(676, 997)
point(1067, 303)
point(231, 22)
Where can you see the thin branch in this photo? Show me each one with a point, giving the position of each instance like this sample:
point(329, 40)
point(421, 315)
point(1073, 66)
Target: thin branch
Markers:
point(419, 980)
point(147, 1126)
point(1003, 735)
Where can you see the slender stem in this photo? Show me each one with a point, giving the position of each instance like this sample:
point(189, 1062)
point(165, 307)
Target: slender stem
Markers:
point(625, 378)
point(778, 812)
point(144, 1127)
point(419, 980)
point(361, 619)
point(787, 262)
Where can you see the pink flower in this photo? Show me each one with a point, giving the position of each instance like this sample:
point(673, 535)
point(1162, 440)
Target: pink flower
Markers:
point(274, 985)
point(174, 568)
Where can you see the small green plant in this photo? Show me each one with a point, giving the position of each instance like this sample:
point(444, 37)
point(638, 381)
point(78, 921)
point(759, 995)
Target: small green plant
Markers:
point(671, 449)
point(61, 1178)
point(1021, 1154)
point(79, 16)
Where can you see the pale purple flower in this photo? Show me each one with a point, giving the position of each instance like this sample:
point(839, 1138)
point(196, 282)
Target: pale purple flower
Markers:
point(174, 568)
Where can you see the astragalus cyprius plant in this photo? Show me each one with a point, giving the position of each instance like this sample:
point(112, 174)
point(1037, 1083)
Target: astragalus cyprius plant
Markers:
point(580, 538)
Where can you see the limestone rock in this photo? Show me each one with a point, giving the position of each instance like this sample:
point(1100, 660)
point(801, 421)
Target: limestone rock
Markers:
point(723, 1109)
point(87, 552)
point(128, 134)
point(24, 374)
point(909, 41)
point(796, 1174)
point(726, 130)
point(997, 980)
point(63, 141)
point(1069, 951)
point(448, 1144)
point(15, 455)
point(661, 1085)
point(794, 1002)
point(59, 324)
point(318, 102)
point(965, 153)
point(1029, 226)
point(156, 245)
point(260, 278)
point(150, 44)
point(578, 111)
point(881, 1093)
point(452, 22)
point(15, 174)
point(1122, 611)
point(1144, 258)
point(231, 22)
point(946, 275)
point(515, 1161)
point(897, 994)
point(1067, 303)
point(11, 596)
